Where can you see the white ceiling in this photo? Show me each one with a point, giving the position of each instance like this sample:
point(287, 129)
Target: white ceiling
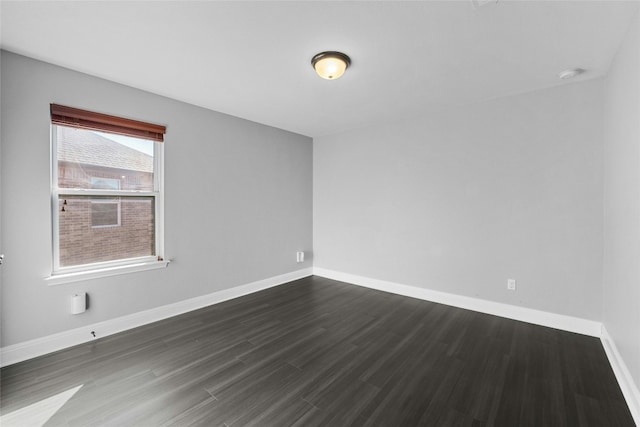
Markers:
point(252, 59)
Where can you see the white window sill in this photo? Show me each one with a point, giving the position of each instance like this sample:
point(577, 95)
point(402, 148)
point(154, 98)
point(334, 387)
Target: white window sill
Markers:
point(59, 279)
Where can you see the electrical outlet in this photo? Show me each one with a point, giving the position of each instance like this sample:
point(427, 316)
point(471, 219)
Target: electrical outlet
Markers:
point(299, 256)
point(511, 284)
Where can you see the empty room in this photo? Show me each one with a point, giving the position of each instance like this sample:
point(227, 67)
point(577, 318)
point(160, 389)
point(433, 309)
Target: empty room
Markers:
point(320, 213)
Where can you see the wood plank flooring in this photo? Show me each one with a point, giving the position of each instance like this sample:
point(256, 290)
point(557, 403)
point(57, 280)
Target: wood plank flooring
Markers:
point(317, 352)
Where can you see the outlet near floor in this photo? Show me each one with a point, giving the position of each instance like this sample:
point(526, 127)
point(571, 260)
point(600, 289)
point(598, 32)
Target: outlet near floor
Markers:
point(511, 284)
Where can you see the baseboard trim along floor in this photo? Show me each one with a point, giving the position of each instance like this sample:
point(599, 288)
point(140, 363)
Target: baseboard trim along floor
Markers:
point(537, 317)
point(625, 381)
point(321, 352)
point(40, 346)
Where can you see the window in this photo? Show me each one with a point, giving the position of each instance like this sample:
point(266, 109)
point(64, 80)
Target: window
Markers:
point(106, 191)
point(105, 212)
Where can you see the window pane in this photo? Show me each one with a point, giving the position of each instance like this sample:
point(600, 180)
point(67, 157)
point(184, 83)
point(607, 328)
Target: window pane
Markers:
point(90, 159)
point(105, 213)
point(96, 229)
point(105, 183)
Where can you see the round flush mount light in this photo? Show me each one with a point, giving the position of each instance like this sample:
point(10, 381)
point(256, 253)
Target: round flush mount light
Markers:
point(569, 74)
point(330, 65)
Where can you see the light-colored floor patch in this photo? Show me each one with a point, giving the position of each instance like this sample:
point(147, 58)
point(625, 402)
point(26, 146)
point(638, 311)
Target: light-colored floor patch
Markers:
point(37, 414)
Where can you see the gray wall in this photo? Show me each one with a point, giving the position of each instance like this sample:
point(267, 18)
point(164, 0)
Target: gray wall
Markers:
point(460, 201)
point(621, 290)
point(238, 199)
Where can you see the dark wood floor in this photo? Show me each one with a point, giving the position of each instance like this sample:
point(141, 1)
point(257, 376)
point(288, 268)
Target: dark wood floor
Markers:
point(317, 352)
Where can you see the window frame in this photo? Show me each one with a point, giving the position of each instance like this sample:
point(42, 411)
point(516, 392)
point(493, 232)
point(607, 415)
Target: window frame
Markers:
point(114, 266)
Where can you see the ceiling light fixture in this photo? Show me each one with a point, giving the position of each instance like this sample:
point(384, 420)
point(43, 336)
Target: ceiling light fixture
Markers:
point(330, 65)
point(569, 74)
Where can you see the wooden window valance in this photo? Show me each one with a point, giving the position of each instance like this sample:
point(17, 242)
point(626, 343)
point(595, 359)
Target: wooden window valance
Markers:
point(83, 119)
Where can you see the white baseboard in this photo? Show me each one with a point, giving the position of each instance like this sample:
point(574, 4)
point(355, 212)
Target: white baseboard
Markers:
point(40, 346)
point(37, 347)
point(543, 318)
point(625, 380)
